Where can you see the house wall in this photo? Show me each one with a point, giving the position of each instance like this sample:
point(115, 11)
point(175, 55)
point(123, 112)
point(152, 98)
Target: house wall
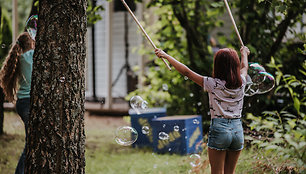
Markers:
point(118, 53)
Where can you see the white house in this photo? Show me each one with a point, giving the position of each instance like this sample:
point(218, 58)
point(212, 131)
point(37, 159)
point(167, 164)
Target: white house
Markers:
point(106, 54)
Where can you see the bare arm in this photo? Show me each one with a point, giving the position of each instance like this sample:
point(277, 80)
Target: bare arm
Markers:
point(244, 60)
point(181, 68)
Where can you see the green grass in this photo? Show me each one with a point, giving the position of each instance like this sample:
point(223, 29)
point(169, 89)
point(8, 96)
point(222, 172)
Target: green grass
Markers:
point(104, 156)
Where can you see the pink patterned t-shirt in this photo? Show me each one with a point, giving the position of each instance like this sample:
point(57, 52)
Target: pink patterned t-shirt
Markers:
point(224, 102)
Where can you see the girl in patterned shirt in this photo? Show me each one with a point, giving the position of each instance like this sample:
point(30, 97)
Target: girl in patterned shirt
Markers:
point(226, 91)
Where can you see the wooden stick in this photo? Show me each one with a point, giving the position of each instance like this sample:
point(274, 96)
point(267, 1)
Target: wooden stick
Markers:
point(144, 32)
point(233, 21)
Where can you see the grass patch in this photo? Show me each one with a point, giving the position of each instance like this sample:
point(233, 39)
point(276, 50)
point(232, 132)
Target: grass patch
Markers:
point(103, 155)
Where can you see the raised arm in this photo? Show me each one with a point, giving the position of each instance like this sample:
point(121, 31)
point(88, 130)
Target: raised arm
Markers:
point(181, 68)
point(244, 60)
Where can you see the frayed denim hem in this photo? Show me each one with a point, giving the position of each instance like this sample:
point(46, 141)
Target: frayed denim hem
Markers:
point(215, 148)
point(225, 149)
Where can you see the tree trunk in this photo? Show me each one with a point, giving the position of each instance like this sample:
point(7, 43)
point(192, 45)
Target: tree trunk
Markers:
point(56, 137)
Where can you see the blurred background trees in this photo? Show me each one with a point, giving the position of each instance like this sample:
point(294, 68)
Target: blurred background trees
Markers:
point(185, 29)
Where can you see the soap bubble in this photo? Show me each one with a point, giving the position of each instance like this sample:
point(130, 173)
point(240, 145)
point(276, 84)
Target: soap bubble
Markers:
point(254, 70)
point(3, 45)
point(138, 104)
point(185, 77)
point(195, 121)
point(250, 88)
point(176, 128)
point(145, 130)
point(163, 136)
point(126, 135)
point(195, 160)
point(267, 84)
point(31, 26)
point(258, 80)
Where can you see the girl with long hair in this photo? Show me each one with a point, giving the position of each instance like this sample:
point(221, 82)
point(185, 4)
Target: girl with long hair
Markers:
point(225, 91)
point(15, 80)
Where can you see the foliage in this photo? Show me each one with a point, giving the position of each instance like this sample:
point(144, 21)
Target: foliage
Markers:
point(282, 132)
point(183, 30)
point(93, 15)
point(24, 8)
point(5, 35)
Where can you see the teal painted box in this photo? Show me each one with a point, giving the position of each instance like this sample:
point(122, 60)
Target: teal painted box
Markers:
point(142, 123)
point(178, 134)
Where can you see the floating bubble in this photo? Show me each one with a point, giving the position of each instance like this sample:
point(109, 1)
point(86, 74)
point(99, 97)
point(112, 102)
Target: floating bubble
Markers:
point(191, 94)
point(138, 104)
point(185, 77)
point(199, 103)
point(126, 135)
point(145, 130)
point(267, 84)
point(3, 45)
point(176, 128)
point(163, 136)
point(164, 125)
point(260, 83)
point(254, 70)
point(196, 121)
point(251, 90)
point(195, 160)
point(144, 105)
point(31, 26)
point(165, 87)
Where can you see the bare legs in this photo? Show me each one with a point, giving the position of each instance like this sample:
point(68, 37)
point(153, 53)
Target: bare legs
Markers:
point(223, 162)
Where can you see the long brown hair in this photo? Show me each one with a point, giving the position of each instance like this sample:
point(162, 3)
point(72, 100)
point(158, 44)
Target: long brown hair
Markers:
point(10, 71)
point(227, 67)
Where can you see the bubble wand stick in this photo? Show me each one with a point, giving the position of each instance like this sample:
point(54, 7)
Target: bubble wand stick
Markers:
point(233, 21)
point(144, 32)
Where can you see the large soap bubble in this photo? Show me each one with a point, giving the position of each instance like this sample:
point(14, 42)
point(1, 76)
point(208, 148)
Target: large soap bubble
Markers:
point(195, 160)
point(258, 80)
point(138, 104)
point(267, 84)
point(126, 135)
point(31, 26)
point(254, 72)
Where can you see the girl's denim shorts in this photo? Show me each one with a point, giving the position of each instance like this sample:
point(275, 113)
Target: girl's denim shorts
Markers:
point(226, 134)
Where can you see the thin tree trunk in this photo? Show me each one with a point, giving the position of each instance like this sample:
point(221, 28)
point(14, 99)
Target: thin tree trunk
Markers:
point(56, 137)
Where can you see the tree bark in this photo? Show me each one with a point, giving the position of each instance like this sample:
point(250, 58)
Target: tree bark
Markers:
point(56, 137)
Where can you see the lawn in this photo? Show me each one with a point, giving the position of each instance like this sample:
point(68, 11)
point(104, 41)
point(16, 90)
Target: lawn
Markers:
point(105, 156)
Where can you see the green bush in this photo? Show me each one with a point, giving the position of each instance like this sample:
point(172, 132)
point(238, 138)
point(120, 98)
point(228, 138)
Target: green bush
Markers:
point(5, 35)
point(282, 132)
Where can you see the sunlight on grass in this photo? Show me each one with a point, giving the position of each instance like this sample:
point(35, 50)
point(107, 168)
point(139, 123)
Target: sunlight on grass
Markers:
point(104, 155)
